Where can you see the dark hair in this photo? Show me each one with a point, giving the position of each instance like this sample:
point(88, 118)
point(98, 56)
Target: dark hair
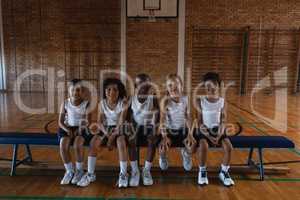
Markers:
point(74, 82)
point(212, 76)
point(143, 77)
point(114, 81)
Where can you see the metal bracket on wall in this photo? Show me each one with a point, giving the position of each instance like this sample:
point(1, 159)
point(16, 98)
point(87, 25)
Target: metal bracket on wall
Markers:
point(244, 61)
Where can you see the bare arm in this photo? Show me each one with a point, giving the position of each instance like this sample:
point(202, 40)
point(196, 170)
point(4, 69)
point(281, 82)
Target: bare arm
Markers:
point(123, 115)
point(62, 116)
point(100, 120)
point(87, 116)
point(188, 119)
point(162, 118)
point(223, 120)
point(156, 111)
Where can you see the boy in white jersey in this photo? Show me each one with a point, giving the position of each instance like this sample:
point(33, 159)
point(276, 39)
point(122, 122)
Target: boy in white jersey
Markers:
point(144, 110)
point(111, 131)
point(72, 129)
point(175, 123)
point(212, 131)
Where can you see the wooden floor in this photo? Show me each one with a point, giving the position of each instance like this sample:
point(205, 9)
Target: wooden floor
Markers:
point(43, 179)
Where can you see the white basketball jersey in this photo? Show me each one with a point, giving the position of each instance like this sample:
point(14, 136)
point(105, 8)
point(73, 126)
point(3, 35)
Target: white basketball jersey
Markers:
point(111, 116)
point(176, 113)
point(143, 113)
point(211, 112)
point(74, 114)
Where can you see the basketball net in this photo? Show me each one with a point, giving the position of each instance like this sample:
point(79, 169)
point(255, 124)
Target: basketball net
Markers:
point(151, 17)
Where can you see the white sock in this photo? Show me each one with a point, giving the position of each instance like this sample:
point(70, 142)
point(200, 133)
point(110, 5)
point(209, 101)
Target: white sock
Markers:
point(69, 167)
point(148, 165)
point(202, 168)
point(91, 164)
point(134, 166)
point(79, 166)
point(224, 168)
point(123, 167)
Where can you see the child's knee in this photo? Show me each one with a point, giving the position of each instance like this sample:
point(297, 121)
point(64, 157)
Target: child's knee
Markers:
point(152, 141)
point(132, 143)
point(78, 142)
point(64, 143)
point(227, 146)
point(95, 142)
point(203, 145)
point(121, 141)
point(151, 145)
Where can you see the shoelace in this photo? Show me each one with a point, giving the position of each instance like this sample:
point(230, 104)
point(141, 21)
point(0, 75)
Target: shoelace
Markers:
point(147, 174)
point(226, 174)
point(135, 174)
point(204, 174)
point(123, 176)
point(77, 173)
point(69, 174)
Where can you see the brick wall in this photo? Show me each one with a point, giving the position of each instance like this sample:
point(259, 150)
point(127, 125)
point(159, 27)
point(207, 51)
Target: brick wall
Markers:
point(80, 37)
point(152, 48)
point(83, 36)
point(269, 50)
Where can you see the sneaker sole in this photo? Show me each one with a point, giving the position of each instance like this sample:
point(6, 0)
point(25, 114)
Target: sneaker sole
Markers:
point(122, 186)
point(64, 183)
point(225, 185)
point(130, 185)
point(82, 185)
point(203, 184)
point(147, 184)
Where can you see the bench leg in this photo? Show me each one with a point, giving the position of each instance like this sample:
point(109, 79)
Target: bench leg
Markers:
point(14, 160)
point(261, 164)
point(28, 152)
point(249, 161)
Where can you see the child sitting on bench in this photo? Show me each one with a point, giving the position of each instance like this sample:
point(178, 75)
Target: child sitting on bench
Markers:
point(144, 110)
point(111, 131)
point(211, 130)
point(72, 118)
point(175, 124)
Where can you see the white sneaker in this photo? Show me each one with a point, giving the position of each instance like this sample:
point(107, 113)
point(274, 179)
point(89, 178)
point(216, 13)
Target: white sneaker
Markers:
point(202, 178)
point(134, 179)
point(147, 178)
point(163, 163)
point(86, 180)
point(77, 176)
point(67, 178)
point(123, 180)
point(226, 179)
point(186, 160)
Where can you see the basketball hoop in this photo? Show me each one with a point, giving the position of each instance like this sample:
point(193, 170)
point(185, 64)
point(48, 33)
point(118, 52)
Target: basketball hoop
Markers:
point(151, 17)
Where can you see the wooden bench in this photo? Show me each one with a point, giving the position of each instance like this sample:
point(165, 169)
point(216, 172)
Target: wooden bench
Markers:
point(241, 142)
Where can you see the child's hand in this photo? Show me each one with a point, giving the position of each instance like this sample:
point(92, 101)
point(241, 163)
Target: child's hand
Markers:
point(77, 132)
point(152, 139)
point(70, 133)
point(111, 140)
point(218, 138)
point(162, 130)
point(115, 131)
point(164, 145)
point(190, 143)
point(213, 140)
